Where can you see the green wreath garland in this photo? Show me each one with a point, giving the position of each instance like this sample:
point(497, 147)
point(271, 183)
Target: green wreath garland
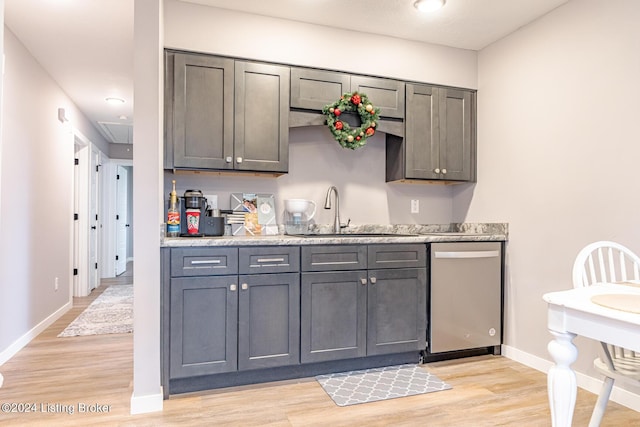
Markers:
point(341, 131)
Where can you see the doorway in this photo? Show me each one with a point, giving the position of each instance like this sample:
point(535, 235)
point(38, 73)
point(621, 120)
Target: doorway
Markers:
point(117, 245)
point(86, 220)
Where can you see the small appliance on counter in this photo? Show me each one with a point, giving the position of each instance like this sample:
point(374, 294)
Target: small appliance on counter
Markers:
point(198, 221)
point(297, 214)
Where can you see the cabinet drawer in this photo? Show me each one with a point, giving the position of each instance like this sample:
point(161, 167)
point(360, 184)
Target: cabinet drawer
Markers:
point(397, 256)
point(276, 259)
point(203, 261)
point(334, 258)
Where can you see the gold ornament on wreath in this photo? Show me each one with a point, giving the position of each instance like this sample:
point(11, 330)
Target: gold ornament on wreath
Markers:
point(342, 132)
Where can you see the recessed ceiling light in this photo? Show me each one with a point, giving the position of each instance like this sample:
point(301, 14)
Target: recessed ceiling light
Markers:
point(429, 5)
point(115, 101)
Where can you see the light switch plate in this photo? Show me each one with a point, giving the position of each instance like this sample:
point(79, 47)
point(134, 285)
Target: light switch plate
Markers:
point(415, 206)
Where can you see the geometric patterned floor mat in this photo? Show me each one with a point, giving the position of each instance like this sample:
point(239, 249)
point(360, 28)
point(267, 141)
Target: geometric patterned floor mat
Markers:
point(371, 385)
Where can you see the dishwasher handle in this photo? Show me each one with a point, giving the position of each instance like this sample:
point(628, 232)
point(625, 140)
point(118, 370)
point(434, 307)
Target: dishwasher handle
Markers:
point(466, 254)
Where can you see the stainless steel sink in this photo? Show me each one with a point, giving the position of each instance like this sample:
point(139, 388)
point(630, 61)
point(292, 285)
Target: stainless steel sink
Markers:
point(454, 233)
point(333, 235)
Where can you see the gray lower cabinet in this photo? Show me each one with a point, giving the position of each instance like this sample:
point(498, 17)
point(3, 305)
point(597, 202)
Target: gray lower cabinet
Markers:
point(333, 315)
point(439, 142)
point(203, 332)
point(347, 313)
point(268, 320)
point(225, 114)
point(221, 321)
point(396, 308)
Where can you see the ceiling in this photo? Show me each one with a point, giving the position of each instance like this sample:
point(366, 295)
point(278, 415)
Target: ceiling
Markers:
point(87, 45)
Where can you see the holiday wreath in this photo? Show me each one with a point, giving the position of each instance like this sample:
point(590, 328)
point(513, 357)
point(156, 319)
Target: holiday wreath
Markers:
point(341, 131)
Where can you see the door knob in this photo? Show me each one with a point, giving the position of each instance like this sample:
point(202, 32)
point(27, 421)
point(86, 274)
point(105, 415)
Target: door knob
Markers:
point(363, 281)
point(437, 170)
point(373, 280)
point(444, 171)
point(245, 286)
point(228, 159)
point(238, 159)
point(232, 288)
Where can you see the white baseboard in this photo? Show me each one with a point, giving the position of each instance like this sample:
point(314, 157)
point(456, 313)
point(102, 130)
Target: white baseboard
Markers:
point(618, 395)
point(11, 351)
point(147, 403)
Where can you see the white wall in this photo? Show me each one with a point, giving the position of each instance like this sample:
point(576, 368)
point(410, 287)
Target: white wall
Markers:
point(205, 29)
point(558, 152)
point(316, 160)
point(37, 195)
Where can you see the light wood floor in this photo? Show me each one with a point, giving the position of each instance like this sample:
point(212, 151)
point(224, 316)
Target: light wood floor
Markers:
point(56, 374)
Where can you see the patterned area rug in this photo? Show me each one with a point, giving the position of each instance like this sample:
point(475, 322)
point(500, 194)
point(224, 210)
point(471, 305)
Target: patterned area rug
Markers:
point(371, 385)
point(110, 313)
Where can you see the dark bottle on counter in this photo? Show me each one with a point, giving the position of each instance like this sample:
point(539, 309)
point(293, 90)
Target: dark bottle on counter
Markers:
point(173, 213)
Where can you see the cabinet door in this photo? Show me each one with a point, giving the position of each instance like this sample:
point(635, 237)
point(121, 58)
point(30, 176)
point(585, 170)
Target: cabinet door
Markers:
point(269, 320)
point(455, 134)
point(204, 312)
point(397, 311)
point(261, 117)
point(422, 141)
point(333, 316)
point(313, 89)
point(202, 122)
point(386, 94)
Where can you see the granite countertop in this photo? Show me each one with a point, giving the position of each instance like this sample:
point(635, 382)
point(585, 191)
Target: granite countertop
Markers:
point(365, 234)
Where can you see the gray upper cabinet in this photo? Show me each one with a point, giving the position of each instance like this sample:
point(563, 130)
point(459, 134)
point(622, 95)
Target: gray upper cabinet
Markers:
point(313, 89)
point(457, 157)
point(200, 112)
point(223, 114)
point(261, 117)
point(439, 141)
point(386, 94)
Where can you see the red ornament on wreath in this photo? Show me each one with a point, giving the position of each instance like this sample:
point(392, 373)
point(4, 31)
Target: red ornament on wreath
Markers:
point(342, 132)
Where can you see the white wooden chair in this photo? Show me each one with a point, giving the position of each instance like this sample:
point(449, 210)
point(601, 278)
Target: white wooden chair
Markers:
point(609, 262)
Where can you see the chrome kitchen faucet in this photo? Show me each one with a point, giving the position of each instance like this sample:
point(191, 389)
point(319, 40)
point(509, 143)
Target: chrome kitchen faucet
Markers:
point(327, 205)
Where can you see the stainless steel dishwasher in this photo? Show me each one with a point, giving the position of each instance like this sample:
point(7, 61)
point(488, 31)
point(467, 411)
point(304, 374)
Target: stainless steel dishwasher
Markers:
point(465, 309)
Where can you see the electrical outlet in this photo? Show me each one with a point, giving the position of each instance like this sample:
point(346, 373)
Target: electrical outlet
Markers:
point(56, 284)
point(415, 206)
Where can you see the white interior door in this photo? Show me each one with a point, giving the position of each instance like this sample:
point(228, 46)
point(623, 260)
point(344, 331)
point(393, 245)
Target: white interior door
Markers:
point(93, 219)
point(121, 220)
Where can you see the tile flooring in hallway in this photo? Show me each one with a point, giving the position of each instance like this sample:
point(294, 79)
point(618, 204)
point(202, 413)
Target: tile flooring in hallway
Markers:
point(81, 381)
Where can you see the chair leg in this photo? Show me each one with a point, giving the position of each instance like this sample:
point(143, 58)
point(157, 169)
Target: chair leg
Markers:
point(601, 403)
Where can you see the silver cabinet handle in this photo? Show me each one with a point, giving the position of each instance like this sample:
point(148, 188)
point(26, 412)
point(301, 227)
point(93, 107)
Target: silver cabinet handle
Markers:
point(270, 260)
point(205, 261)
point(233, 288)
point(245, 286)
point(373, 280)
point(467, 254)
point(238, 159)
point(444, 171)
point(363, 281)
point(229, 159)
